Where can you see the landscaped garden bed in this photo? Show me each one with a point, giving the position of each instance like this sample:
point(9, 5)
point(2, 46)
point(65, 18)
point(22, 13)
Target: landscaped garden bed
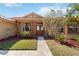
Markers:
point(58, 49)
point(71, 42)
point(18, 44)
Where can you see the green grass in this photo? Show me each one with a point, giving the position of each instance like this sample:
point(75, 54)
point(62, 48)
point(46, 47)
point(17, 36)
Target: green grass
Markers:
point(61, 50)
point(22, 44)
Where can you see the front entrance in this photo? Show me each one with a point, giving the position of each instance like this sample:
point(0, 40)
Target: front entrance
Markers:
point(39, 30)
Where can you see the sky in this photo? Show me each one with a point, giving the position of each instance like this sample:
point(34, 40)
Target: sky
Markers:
point(20, 9)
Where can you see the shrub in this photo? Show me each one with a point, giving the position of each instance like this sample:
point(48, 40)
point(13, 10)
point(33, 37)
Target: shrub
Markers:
point(60, 37)
point(25, 33)
point(76, 38)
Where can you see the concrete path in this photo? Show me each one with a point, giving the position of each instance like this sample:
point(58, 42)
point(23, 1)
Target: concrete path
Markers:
point(42, 50)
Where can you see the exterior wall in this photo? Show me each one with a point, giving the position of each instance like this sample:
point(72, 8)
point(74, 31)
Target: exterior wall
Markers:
point(33, 29)
point(19, 27)
point(7, 29)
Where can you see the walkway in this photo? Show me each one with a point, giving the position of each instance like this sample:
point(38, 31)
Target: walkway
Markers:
point(42, 50)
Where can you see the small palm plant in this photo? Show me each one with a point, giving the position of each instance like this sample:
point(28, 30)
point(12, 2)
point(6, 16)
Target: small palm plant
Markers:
point(25, 33)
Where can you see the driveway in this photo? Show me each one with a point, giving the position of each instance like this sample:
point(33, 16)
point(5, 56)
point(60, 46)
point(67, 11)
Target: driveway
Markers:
point(42, 50)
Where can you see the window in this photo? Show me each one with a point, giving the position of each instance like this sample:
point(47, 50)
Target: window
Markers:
point(73, 29)
point(26, 27)
point(61, 29)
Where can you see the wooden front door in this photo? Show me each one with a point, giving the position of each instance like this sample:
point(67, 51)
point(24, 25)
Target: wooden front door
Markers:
point(40, 30)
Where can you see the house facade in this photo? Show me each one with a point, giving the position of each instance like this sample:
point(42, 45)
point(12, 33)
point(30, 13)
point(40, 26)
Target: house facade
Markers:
point(33, 23)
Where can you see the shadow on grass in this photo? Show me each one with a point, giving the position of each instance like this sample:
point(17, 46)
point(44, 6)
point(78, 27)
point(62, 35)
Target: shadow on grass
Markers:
point(6, 44)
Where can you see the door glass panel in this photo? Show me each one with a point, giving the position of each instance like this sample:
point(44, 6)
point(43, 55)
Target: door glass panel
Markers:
point(38, 27)
point(41, 27)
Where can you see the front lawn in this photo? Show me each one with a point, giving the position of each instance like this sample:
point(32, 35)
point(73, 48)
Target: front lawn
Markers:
point(61, 50)
point(18, 44)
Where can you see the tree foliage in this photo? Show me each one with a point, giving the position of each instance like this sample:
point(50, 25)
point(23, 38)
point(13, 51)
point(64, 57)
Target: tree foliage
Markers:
point(52, 20)
point(72, 14)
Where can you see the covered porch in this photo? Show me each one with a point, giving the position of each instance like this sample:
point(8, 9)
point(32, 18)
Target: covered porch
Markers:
point(34, 27)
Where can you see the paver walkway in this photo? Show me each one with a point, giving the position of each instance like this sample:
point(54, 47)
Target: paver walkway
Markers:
point(42, 50)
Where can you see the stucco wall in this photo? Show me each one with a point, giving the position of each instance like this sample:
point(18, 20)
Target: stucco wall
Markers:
point(7, 29)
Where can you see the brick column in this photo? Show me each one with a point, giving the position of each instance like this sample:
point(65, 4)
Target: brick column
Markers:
point(17, 28)
point(45, 32)
point(33, 28)
point(66, 31)
point(78, 30)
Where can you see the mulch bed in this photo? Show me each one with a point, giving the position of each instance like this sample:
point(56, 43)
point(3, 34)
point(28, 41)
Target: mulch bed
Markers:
point(70, 42)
